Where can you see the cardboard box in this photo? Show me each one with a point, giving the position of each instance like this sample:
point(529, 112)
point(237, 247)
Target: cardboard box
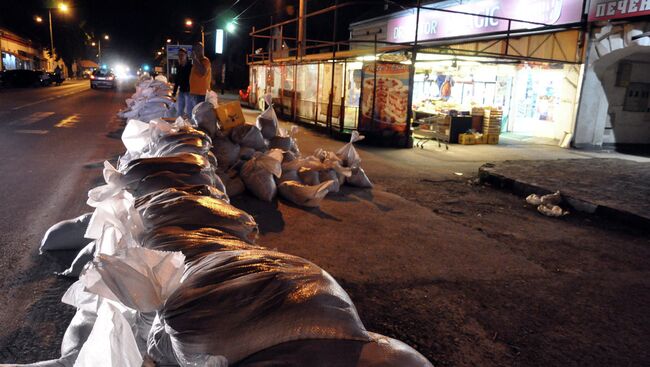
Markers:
point(492, 138)
point(466, 139)
point(230, 115)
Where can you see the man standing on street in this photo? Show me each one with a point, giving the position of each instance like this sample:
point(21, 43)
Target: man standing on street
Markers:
point(182, 85)
point(200, 76)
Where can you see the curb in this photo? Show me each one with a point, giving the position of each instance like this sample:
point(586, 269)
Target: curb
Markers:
point(487, 174)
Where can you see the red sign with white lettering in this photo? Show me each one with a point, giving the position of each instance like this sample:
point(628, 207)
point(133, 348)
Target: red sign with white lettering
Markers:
point(608, 9)
point(478, 17)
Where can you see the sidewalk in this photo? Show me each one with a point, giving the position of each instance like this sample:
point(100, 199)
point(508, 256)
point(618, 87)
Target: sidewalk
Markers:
point(613, 188)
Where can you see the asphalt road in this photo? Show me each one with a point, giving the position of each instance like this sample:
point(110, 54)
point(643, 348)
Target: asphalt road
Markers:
point(53, 141)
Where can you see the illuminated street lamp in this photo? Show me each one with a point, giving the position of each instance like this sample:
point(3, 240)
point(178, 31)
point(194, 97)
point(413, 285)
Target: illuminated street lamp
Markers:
point(63, 7)
point(99, 46)
point(169, 40)
point(188, 22)
point(230, 27)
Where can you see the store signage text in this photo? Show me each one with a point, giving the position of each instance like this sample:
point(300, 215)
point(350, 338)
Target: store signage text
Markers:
point(480, 18)
point(607, 9)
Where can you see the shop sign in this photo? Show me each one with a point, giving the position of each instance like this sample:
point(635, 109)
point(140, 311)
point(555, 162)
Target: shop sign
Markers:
point(390, 87)
point(172, 51)
point(607, 9)
point(437, 24)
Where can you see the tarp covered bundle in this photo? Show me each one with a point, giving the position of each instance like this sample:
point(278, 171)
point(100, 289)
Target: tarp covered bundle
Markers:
point(172, 273)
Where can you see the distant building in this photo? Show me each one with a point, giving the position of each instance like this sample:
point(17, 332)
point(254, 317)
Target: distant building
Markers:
point(22, 53)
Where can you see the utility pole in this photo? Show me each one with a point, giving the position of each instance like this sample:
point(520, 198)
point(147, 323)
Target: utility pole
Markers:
point(99, 50)
point(49, 11)
point(302, 21)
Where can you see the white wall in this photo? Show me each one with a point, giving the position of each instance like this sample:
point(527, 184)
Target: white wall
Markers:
point(601, 119)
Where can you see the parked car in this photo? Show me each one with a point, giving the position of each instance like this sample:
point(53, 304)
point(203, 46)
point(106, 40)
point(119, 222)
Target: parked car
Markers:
point(102, 78)
point(57, 79)
point(25, 78)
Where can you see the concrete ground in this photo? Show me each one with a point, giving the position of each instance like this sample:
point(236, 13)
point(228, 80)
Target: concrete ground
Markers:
point(469, 274)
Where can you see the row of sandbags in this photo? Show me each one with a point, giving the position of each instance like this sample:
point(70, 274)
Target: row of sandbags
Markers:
point(177, 279)
point(152, 99)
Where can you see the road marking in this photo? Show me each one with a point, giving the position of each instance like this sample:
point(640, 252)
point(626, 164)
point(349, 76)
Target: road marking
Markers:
point(37, 132)
point(69, 121)
point(50, 98)
point(31, 119)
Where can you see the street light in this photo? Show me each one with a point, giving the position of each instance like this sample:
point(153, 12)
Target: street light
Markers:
point(169, 40)
point(99, 46)
point(230, 27)
point(188, 22)
point(38, 19)
point(63, 7)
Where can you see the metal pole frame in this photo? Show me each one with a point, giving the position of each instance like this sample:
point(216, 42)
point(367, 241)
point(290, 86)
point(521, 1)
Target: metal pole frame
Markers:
point(330, 107)
point(374, 86)
point(414, 56)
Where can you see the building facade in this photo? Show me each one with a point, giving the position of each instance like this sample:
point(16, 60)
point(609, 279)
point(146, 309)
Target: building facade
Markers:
point(615, 103)
point(21, 53)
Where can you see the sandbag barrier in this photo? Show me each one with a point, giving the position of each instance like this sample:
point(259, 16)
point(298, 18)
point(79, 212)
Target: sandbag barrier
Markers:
point(170, 272)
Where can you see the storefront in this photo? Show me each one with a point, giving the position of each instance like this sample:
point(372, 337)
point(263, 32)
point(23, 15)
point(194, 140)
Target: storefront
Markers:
point(487, 67)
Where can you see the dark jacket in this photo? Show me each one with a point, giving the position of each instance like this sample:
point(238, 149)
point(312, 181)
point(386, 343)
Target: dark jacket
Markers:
point(182, 80)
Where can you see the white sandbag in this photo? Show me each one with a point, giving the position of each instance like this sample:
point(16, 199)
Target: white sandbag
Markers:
point(205, 118)
point(304, 195)
point(309, 176)
point(258, 174)
point(84, 256)
point(211, 312)
point(111, 342)
point(234, 185)
point(348, 154)
point(359, 178)
point(381, 351)
point(281, 142)
point(246, 153)
point(248, 136)
point(212, 98)
point(226, 151)
point(66, 235)
point(267, 122)
point(138, 278)
point(289, 175)
point(161, 78)
point(330, 175)
point(136, 135)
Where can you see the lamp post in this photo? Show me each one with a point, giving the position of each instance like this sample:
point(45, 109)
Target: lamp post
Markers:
point(63, 7)
point(99, 47)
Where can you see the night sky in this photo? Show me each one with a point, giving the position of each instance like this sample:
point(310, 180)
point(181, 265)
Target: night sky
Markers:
point(139, 28)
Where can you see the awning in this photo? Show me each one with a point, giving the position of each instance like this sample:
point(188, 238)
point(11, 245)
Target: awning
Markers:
point(88, 64)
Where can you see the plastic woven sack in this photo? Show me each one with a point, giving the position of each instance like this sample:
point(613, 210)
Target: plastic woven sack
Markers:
point(258, 174)
point(205, 118)
point(211, 312)
point(267, 122)
point(198, 211)
point(194, 243)
point(348, 154)
point(248, 136)
point(359, 178)
point(381, 351)
point(304, 195)
point(226, 151)
point(66, 235)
